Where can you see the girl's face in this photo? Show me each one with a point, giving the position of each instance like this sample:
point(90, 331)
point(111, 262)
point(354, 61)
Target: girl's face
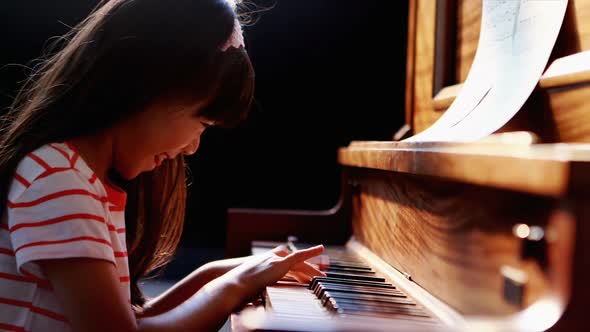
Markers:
point(163, 131)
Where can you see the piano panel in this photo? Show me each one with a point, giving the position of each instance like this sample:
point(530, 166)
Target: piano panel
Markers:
point(580, 9)
point(419, 79)
point(451, 244)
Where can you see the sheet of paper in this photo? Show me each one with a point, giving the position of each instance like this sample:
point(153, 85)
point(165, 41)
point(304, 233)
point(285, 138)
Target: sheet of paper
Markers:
point(516, 39)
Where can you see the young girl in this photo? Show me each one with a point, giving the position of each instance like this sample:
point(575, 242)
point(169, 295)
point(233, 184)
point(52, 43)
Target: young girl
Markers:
point(92, 178)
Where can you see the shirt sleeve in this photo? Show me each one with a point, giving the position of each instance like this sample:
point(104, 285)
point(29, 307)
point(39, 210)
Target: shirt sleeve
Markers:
point(59, 216)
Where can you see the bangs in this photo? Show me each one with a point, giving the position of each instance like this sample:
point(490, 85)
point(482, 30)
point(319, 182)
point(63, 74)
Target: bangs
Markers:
point(234, 89)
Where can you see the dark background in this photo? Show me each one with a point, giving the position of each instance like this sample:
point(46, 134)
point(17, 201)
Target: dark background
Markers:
point(328, 72)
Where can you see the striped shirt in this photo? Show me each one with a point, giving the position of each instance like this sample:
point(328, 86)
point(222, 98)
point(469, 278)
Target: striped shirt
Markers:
point(56, 208)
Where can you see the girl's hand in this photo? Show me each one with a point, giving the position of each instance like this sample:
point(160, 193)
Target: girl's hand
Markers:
point(266, 269)
point(300, 271)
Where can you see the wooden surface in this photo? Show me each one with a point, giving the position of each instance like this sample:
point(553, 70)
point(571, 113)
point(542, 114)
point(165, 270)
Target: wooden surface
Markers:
point(247, 225)
point(423, 60)
point(570, 70)
point(331, 226)
point(574, 272)
point(450, 243)
point(467, 30)
point(571, 114)
point(580, 18)
point(410, 63)
point(445, 97)
point(551, 169)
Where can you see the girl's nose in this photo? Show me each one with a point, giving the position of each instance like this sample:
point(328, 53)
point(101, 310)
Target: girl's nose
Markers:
point(192, 147)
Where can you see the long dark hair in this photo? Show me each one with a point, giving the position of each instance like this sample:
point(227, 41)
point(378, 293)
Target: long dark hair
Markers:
point(125, 55)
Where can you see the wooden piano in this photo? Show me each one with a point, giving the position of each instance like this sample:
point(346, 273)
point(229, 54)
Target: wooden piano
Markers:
point(491, 235)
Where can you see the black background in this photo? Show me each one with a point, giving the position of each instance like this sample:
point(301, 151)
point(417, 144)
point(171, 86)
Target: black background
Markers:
point(328, 72)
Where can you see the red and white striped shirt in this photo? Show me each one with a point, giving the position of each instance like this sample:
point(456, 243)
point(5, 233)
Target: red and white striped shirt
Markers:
point(56, 208)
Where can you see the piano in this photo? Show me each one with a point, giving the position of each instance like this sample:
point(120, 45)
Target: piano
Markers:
point(485, 235)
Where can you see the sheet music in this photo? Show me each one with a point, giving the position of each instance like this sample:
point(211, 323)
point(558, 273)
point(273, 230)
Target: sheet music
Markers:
point(516, 40)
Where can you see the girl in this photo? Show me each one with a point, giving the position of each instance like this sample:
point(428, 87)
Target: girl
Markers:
point(92, 172)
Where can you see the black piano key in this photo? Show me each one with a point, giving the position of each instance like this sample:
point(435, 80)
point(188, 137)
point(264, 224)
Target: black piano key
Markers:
point(350, 284)
point(381, 285)
point(350, 265)
point(336, 308)
point(317, 280)
point(352, 273)
point(375, 298)
point(357, 290)
point(354, 277)
point(323, 285)
point(348, 260)
point(377, 310)
point(348, 270)
point(342, 301)
point(335, 304)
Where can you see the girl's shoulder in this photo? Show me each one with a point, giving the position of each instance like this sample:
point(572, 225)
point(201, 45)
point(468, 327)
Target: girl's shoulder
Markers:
point(54, 160)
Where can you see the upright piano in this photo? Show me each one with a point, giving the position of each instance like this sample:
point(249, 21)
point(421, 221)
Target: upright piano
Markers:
point(485, 235)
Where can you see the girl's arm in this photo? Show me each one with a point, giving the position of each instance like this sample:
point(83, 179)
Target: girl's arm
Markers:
point(189, 285)
point(89, 291)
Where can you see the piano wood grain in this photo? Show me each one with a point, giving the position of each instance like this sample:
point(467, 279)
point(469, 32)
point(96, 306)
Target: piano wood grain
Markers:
point(451, 244)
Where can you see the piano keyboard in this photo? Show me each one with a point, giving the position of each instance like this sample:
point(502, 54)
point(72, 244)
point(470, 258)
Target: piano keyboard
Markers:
point(351, 290)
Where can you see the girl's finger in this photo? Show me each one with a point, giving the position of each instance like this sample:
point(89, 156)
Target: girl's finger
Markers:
point(282, 253)
point(308, 269)
point(321, 260)
point(281, 250)
point(304, 254)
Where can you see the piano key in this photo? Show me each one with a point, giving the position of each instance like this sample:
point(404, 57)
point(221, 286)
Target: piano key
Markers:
point(297, 301)
point(348, 270)
point(379, 311)
point(354, 276)
point(340, 270)
point(357, 290)
point(316, 281)
point(347, 259)
point(334, 305)
point(377, 298)
point(350, 265)
point(351, 288)
point(409, 305)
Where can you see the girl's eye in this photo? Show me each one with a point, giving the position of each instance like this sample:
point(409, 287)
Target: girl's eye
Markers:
point(206, 124)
